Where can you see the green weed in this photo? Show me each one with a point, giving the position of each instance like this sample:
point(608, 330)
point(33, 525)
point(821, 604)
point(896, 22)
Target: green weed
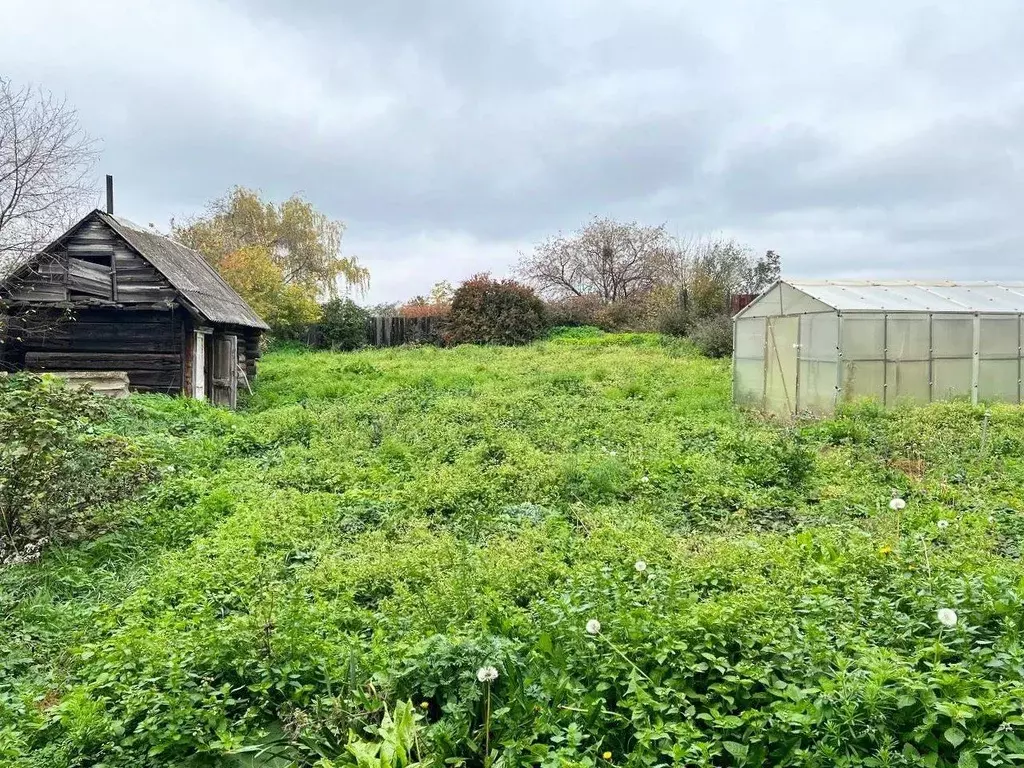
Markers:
point(321, 577)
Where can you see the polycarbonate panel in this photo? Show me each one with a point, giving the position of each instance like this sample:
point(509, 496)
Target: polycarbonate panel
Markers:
point(951, 378)
point(907, 337)
point(863, 379)
point(819, 337)
point(863, 337)
point(999, 337)
point(781, 364)
point(910, 296)
point(906, 382)
point(750, 338)
point(749, 382)
point(795, 302)
point(998, 380)
point(953, 336)
point(817, 386)
point(769, 303)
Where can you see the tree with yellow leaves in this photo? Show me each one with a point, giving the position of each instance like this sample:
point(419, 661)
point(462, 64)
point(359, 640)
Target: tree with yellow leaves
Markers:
point(281, 258)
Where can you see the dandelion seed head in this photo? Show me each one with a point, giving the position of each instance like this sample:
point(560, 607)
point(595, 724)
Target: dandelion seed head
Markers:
point(645, 479)
point(943, 524)
point(897, 504)
point(640, 566)
point(947, 617)
point(487, 674)
point(593, 627)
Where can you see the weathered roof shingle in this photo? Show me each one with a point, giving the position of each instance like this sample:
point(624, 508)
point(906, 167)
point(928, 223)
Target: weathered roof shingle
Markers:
point(189, 273)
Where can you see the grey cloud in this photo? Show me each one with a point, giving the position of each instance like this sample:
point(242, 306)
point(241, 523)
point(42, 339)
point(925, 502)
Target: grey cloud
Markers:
point(451, 133)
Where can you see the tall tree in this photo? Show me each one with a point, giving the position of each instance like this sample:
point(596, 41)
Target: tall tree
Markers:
point(710, 269)
point(303, 242)
point(258, 279)
point(45, 161)
point(613, 260)
point(766, 271)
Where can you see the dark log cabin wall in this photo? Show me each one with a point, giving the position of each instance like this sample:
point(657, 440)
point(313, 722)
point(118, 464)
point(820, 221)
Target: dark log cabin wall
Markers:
point(94, 304)
point(118, 314)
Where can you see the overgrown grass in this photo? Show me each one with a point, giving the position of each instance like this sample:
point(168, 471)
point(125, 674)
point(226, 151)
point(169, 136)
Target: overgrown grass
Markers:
point(376, 526)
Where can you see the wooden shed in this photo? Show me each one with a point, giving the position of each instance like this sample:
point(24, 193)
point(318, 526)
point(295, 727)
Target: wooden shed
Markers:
point(109, 295)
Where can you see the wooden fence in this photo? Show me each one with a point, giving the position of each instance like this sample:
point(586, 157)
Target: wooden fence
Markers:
point(387, 332)
point(395, 331)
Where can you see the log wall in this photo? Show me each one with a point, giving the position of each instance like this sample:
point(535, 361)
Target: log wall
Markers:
point(145, 344)
point(94, 305)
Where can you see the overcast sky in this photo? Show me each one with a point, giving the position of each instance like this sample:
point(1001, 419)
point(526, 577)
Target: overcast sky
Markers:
point(862, 138)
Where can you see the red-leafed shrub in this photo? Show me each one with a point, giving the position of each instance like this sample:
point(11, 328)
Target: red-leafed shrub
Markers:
point(416, 308)
point(486, 311)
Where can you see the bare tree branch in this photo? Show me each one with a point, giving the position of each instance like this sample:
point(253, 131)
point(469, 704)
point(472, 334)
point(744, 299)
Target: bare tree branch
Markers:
point(45, 161)
point(613, 260)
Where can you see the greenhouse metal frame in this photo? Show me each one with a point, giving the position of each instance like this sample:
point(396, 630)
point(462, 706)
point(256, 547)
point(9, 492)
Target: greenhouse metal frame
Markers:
point(807, 346)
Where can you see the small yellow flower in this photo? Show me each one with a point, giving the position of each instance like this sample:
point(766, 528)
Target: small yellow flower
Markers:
point(885, 550)
point(424, 705)
point(607, 755)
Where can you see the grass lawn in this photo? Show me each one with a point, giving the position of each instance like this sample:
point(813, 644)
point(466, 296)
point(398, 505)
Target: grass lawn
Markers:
point(346, 553)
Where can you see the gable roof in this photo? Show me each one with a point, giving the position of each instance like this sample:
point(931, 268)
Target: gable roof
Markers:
point(186, 270)
point(797, 296)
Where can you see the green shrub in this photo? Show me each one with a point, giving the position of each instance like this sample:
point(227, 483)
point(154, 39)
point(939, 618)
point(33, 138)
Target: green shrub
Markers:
point(343, 324)
point(486, 311)
point(624, 315)
point(574, 311)
point(54, 465)
point(674, 321)
point(713, 336)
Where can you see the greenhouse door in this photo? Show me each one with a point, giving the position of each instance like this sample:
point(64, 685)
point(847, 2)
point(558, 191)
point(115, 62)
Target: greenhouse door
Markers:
point(781, 346)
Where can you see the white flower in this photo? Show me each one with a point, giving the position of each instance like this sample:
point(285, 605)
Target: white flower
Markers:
point(645, 479)
point(487, 674)
point(640, 566)
point(947, 617)
point(943, 524)
point(897, 504)
point(593, 627)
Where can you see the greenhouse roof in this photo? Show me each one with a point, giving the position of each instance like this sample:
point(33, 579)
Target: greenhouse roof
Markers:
point(915, 295)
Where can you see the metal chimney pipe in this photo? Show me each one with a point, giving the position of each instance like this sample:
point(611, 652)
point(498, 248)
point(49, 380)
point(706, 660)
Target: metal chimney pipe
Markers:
point(110, 194)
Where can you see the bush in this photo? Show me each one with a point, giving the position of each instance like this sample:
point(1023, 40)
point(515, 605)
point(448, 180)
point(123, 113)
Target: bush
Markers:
point(624, 315)
point(54, 468)
point(713, 336)
point(343, 324)
point(574, 311)
point(486, 311)
point(674, 321)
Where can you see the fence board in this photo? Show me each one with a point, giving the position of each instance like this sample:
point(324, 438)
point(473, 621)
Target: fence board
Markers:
point(388, 332)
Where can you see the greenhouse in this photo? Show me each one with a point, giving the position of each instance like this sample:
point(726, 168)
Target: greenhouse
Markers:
point(806, 346)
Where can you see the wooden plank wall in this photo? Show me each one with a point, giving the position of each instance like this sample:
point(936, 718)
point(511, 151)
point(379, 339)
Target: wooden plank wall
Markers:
point(94, 264)
point(145, 344)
